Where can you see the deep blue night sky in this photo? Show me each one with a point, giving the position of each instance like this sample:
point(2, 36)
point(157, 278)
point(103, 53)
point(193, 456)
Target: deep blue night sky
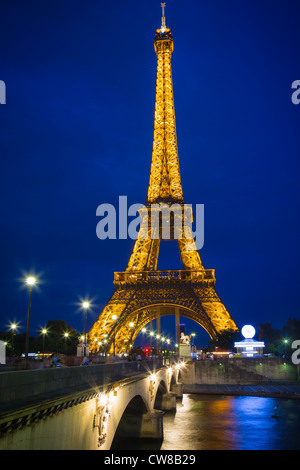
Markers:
point(76, 132)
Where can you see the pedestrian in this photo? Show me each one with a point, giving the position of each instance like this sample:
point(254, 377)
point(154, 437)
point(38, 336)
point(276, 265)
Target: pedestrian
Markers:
point(85, 361)
point(53, 361)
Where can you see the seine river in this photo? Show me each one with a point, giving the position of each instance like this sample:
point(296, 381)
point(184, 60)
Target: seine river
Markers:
point(232, 423)
point(219, 422)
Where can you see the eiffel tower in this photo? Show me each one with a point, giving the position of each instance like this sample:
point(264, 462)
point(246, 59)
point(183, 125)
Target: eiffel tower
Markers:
point(142, 293)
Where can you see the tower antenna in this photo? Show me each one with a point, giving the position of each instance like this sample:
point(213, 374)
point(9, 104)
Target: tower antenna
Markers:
point(163, 19)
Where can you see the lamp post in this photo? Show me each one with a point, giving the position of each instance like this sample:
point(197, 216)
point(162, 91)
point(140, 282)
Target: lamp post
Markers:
point(13, 326)
point(285, 345)
point(85, 306)
point(151, 335)
point(143, 331)
point(30, 281)
point(157, 345)
point(44, 332)
point(66, 335)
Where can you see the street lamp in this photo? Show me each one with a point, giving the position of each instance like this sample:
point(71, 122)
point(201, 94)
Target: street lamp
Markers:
point(13, 327)
point(30, 281)
point(168, 343)
point(143, 331)
point(44, 332)
point(66, 335)
point(285, 345)
point(85, 306)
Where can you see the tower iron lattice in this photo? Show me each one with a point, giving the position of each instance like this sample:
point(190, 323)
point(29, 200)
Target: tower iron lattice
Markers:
point(142, 293)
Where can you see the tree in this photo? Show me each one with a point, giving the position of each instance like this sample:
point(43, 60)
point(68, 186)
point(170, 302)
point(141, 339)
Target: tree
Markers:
point(269, 334)
point(16, 346)
point(292, 329)
point(226, 340)
point(278, 341)
point(56, 340)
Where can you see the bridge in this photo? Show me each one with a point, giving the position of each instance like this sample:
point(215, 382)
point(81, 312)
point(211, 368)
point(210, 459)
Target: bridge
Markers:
point(86, 407)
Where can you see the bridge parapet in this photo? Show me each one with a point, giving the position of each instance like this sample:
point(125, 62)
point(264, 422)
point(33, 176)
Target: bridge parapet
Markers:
point(28, 384)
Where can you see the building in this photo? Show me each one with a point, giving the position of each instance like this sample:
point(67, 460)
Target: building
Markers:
point(249, 347)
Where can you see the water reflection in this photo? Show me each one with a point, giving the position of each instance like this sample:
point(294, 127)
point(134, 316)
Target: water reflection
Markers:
point(232, 423)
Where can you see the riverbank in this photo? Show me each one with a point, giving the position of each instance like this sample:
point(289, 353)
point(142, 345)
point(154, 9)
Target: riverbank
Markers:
point(270, 389)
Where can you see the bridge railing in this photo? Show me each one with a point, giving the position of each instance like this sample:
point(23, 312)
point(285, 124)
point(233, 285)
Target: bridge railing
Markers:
point(16, 386)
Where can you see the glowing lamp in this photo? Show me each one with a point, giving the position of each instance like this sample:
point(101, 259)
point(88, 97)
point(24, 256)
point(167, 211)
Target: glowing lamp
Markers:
point(248, 331)
point(30, 280)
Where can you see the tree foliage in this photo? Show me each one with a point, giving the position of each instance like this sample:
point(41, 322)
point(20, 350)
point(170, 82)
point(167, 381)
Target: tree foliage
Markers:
point(277, 341)
point(56, 340)
point(226, 340)
point(53, 341)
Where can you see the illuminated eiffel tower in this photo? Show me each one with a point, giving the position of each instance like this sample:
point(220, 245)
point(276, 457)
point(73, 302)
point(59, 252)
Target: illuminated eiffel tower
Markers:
point(142, 293)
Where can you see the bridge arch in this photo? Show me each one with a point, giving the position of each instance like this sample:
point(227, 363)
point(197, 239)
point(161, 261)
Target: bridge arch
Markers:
point(161, 390)
point(172, 379)
point(140, 414)
point(131, 420)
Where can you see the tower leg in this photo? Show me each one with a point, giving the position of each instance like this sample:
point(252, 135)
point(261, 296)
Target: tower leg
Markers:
point(177, 322)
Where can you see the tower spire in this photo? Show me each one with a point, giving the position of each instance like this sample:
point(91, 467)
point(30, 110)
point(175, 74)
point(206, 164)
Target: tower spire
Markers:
point(165, 181)
point(163, 19)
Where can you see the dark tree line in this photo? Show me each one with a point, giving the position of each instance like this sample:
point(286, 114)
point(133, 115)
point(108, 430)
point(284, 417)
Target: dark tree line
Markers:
point(54, 340)
point(279, 342)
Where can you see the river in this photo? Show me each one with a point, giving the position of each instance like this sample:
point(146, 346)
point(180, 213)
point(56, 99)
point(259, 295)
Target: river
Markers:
point(219, 422)
point(232, 423)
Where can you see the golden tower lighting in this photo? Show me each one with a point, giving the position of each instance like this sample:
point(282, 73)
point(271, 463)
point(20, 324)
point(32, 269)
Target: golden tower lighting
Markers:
point(142, 293)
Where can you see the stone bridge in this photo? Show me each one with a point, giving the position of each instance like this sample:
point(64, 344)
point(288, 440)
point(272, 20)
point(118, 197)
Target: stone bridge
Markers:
point(87, 407)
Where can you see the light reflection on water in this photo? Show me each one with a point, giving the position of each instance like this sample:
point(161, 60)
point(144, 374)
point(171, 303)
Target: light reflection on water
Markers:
point(232, 423)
